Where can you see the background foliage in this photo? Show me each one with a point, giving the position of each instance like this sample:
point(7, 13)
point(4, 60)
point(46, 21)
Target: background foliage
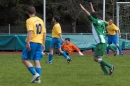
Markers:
point(14, 11)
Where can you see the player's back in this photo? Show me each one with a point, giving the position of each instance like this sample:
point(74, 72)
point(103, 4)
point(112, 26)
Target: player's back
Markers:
point(56, 30)
point(37, 26)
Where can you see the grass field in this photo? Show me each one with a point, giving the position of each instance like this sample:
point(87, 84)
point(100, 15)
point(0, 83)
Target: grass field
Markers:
point(83, 71)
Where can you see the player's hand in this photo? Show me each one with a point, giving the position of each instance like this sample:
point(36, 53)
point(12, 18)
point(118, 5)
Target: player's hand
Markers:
point(119, 36)
point(63, 40)
point(82, 7)
point(90, 3)
point(81, 54)
point(28, 46)
point(43, 47)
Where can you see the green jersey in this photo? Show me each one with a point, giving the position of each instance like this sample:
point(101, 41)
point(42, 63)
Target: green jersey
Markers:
point(98, 29)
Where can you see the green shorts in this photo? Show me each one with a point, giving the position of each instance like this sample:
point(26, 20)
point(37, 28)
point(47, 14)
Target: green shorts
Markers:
point(100, 49)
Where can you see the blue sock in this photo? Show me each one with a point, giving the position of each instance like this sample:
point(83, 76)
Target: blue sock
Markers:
point(50, 57)
point(120, 51)
point(107, 50)
point(38, 70)
point(64, 54)
point(32, 70)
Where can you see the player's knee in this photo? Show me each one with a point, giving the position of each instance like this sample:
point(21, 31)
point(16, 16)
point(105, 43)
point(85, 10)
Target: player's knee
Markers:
point(117, 45)
point(60, 51)
point(24, 61)
point(97, 59)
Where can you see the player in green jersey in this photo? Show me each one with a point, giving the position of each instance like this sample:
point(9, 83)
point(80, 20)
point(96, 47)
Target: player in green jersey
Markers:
point(99, 33)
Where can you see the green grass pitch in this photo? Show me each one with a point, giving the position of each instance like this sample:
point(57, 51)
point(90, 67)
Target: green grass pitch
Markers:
point(82, 71)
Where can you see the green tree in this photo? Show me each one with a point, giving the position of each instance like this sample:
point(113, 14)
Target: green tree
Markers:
point(14, 11)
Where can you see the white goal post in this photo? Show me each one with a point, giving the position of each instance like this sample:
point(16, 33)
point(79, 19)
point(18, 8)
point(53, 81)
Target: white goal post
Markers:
point(123, 17)
point(122, 14)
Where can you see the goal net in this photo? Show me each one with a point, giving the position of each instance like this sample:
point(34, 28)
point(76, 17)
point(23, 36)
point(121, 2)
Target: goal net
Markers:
point(123, 18)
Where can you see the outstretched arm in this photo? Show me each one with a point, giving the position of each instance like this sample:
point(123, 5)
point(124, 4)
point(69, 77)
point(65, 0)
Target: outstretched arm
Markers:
point(91, 5)
point(77, 49)
point(88, 14)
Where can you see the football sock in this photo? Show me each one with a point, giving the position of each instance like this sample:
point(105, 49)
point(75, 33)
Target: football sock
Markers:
point(106, 63)
point(104, 69)
point(120, 51)
point(50, 57)
point(38, 70)
point(32, 70)
point(64, 54)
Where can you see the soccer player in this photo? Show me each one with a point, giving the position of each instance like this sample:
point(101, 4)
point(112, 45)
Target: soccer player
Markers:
point(112, 30)
point(69, 47)
point(34, 45)
point(99, 32)
point(56, 40)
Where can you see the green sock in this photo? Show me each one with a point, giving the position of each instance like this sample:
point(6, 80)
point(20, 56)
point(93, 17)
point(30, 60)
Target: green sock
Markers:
point(104, 69)
point(106, 63)
point(111, 48)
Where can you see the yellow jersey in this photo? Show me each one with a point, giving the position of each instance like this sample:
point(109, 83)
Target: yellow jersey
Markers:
point(112, 29)
point(36, 25)
point(56, 30)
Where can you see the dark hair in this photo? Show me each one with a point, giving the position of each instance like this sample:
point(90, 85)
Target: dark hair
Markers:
point(67, 39)
point(57, 18)
point(94, 14)
point(31, 10)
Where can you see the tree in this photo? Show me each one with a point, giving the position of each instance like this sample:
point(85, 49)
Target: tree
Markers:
point(69, 11)
point(14, 11)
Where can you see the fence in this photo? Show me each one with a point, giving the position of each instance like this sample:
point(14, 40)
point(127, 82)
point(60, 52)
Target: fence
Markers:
point(84, 41)
point(22, 29)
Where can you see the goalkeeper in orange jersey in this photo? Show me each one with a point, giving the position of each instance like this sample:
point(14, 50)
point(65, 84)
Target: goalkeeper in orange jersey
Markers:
point(69, 47)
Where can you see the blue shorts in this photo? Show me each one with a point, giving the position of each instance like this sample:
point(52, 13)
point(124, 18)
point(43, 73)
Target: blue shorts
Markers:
point(55, 43)
point(34, 54)
point(112, 39)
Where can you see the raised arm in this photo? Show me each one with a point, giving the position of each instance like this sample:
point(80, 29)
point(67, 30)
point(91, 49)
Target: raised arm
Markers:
point(91, 5)
point(88, 14)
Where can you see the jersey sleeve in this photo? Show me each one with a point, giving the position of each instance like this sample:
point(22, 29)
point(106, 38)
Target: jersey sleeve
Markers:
point(92, 19)
point(75, 48)
point(115, 27)
point(106, 23)
point(29, 25)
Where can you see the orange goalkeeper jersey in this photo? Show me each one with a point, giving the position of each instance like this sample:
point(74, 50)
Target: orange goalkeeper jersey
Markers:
point(69, 47)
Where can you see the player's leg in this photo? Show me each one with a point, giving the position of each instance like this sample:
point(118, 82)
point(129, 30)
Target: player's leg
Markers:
point(108, 49)
point(29, 65)
point(119, 48)
point(28, 55)
point(65, 55)
point(50, 56)
point(99, 52)
point(109, 42)
point(115, 41)
point(38, 56)
point(104, 69)
point(62, 52)
point(52, 46)
point(113, 49)
point(38, 70)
